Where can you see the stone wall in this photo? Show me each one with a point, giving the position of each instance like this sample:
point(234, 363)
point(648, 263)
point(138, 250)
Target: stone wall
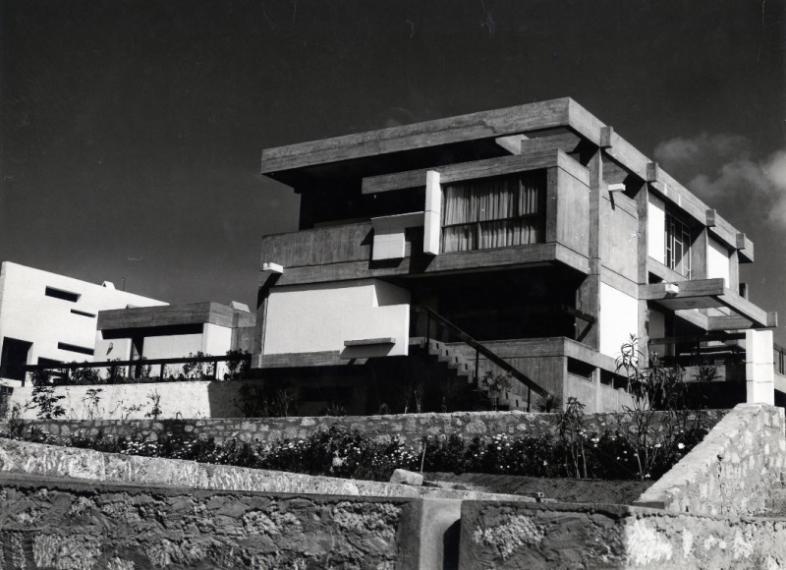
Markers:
point(39, 460)
point(734, 471)
point(503, 535)
point(76, 526)
point(410, 428)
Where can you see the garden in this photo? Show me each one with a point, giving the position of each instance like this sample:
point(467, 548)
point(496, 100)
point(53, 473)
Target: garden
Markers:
point(645, 442)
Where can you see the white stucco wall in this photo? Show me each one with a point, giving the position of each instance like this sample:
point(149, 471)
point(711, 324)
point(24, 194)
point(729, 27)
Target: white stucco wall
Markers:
point(718, 263)
point(214, 340)
point(656, 229)
point(619, 318)
point(27, 314)
point(171, 346)
point(194, 399)
point(317, 318)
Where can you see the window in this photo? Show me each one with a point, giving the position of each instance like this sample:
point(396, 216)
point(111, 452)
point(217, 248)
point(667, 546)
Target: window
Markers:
point(678, 241)
point(493, 212)
point(61, 294)
point(75, 348)
point(83, 313)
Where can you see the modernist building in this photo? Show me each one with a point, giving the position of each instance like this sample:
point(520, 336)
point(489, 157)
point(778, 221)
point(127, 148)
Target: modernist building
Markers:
point(46, 318)
point(534, 233)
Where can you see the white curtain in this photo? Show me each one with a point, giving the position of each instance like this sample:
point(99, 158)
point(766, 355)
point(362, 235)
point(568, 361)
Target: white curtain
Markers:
point(492, 212)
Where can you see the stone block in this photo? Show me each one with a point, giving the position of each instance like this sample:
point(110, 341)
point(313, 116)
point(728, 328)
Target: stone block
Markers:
point(405, 477)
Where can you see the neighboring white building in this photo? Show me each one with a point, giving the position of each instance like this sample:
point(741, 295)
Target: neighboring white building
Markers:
point(46, 318)
point(175, 331)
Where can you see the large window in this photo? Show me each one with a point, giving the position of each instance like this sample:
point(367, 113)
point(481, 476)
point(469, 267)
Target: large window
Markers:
point(493, 212)
point(678, 241)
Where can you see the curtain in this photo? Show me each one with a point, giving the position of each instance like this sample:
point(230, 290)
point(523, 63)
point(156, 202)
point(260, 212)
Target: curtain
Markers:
point(493, 212)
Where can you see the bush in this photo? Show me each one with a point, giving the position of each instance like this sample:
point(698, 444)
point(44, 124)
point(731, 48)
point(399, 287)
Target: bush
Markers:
point(339, 452)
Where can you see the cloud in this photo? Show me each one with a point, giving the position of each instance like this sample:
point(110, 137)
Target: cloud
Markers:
point(722, 170)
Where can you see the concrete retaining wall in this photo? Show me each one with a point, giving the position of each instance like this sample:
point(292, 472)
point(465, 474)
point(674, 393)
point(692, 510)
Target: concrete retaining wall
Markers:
point(735, 470)
point(73, 526)
point(541, 535)
point(409, 428)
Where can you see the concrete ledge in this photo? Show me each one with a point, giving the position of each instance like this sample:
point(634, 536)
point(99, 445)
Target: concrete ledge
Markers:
point(25, 458)
point(734, 471)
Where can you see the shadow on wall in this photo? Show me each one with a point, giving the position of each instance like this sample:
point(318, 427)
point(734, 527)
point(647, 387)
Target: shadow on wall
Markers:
point(225, 399)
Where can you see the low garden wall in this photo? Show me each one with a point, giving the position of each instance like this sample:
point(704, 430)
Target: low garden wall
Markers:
point(407, 427)
point(734, 471)
point(504, 535)
point(39, 460)
point(185, 399)
point(76, 526)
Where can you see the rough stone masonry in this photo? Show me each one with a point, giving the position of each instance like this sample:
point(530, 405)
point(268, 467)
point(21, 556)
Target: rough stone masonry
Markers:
point(76, 526)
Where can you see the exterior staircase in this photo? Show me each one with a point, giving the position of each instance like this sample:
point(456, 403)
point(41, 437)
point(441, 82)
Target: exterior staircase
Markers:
point(452, 360)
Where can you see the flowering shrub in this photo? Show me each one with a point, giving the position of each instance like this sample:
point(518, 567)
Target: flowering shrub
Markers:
point(339, 452)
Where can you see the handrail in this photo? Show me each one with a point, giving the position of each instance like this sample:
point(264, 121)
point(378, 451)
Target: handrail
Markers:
point(136, 365)
point(138, 362)
point(485, 351)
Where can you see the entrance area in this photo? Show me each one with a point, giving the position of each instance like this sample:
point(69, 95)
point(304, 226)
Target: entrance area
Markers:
point(14, 358)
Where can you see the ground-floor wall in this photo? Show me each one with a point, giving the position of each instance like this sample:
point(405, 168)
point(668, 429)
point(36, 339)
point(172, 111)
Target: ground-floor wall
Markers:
point(160, 400)
point(323, 317)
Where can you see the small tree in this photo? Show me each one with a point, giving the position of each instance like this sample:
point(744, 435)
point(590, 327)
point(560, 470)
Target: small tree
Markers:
point(571, 432)
point(656, 388)
point(46, 402)
point(155, 405)
point(496, 384)
point(92, 399)
point(237, 364)
point(194, 368)
point(85, 375)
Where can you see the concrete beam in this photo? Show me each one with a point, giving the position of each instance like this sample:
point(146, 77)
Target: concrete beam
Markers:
point(482, 125)
point(524, 162)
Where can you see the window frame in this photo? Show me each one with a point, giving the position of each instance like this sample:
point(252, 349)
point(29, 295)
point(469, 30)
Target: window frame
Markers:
point(677, 230)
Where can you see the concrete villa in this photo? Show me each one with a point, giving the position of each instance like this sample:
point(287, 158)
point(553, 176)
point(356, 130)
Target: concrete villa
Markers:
point(530, 241)
point(46, 318)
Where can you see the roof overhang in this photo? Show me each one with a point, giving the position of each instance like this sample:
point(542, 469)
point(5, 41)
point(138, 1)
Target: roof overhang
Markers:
point(688, 298)
point(172, 316)
point(477, 136)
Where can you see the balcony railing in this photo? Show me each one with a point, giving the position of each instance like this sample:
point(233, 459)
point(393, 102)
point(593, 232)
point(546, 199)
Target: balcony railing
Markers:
point(140, 370)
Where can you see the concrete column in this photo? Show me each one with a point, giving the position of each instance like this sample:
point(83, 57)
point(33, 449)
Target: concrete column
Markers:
point(432, 220)
point(759, 367)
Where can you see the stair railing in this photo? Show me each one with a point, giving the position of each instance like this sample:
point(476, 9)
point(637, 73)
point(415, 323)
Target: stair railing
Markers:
point(481, 349)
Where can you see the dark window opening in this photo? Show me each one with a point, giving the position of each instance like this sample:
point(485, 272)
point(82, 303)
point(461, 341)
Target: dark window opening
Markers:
point(75, 348)
point(48, 361)
point(83, 313)
point(61, 294)
point(678, 245)
point(494, 212)
point(14, 358)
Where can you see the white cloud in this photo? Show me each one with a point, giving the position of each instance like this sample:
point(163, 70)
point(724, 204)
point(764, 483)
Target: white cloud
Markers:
point(722, 170)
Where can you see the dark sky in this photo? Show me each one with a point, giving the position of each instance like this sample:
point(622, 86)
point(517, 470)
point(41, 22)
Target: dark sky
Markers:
point(131, 130)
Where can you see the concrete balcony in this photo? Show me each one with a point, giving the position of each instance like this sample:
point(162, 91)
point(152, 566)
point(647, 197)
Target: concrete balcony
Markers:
point(344, 252)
